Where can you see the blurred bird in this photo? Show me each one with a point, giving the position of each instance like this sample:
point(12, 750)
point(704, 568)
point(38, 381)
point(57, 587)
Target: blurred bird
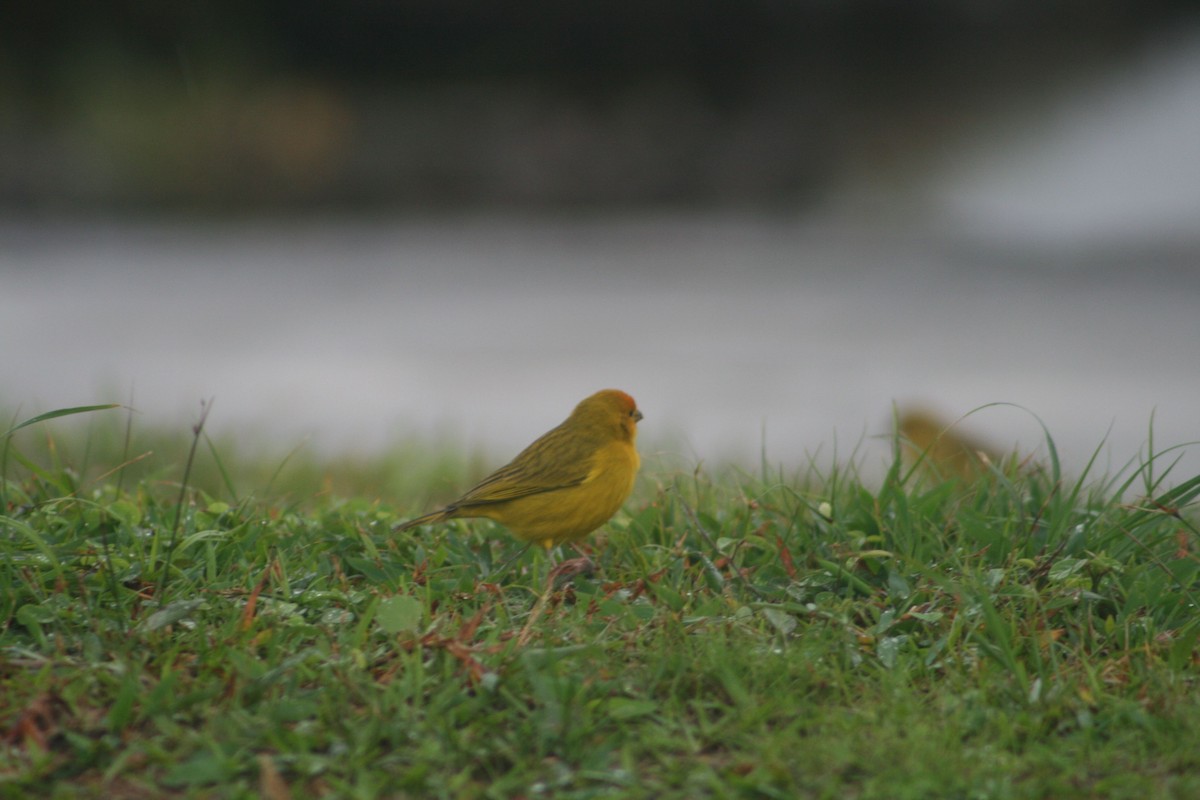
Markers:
point(567, 483)
point(940, 449)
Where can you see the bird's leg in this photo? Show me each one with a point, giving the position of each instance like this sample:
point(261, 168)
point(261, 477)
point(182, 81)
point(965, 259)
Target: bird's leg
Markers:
point(591, 565)
point(534, 613)
point(538, 607)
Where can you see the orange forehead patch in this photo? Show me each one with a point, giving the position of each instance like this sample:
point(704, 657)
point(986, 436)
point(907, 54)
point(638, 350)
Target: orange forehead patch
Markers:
point(625, 400)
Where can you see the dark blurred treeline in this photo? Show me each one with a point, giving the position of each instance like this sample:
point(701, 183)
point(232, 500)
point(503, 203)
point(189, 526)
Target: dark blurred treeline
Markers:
point(223, 105)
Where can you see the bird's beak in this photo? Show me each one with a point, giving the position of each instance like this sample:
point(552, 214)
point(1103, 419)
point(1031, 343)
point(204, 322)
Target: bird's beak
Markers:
point(637, 416)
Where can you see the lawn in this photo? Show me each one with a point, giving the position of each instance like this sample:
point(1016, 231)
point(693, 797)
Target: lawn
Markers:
point(181, 620)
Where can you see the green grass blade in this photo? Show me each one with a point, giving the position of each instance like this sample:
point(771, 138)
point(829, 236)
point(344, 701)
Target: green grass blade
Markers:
point(59, 412)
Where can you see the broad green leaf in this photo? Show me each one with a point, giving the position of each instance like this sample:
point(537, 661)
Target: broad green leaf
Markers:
point(399, 613)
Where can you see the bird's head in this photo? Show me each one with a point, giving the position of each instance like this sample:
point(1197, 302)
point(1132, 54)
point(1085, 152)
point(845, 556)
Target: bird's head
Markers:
point(612, 409)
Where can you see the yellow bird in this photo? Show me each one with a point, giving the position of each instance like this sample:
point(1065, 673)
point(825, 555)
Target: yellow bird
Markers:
point(944, 452)
point(567, 483)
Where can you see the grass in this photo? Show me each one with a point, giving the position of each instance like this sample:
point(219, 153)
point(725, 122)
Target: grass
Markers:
point(1019, 635)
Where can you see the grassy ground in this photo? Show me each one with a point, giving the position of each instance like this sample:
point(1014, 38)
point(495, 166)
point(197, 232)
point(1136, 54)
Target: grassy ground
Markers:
point(1018, 635)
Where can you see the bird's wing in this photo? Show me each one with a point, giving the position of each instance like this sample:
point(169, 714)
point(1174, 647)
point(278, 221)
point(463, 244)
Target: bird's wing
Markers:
point(558, 460)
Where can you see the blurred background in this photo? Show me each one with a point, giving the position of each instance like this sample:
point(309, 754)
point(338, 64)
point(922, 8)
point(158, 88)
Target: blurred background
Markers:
point(364, 223)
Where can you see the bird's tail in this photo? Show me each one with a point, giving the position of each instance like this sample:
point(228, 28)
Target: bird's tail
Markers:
point(427, 519)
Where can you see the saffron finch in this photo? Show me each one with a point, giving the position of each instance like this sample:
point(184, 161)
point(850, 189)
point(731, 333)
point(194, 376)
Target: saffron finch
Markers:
point(567, 483)
point(943, 451)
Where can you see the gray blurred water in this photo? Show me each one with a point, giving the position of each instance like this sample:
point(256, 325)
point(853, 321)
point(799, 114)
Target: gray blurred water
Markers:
point(733, 333)
point(1017, 270)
